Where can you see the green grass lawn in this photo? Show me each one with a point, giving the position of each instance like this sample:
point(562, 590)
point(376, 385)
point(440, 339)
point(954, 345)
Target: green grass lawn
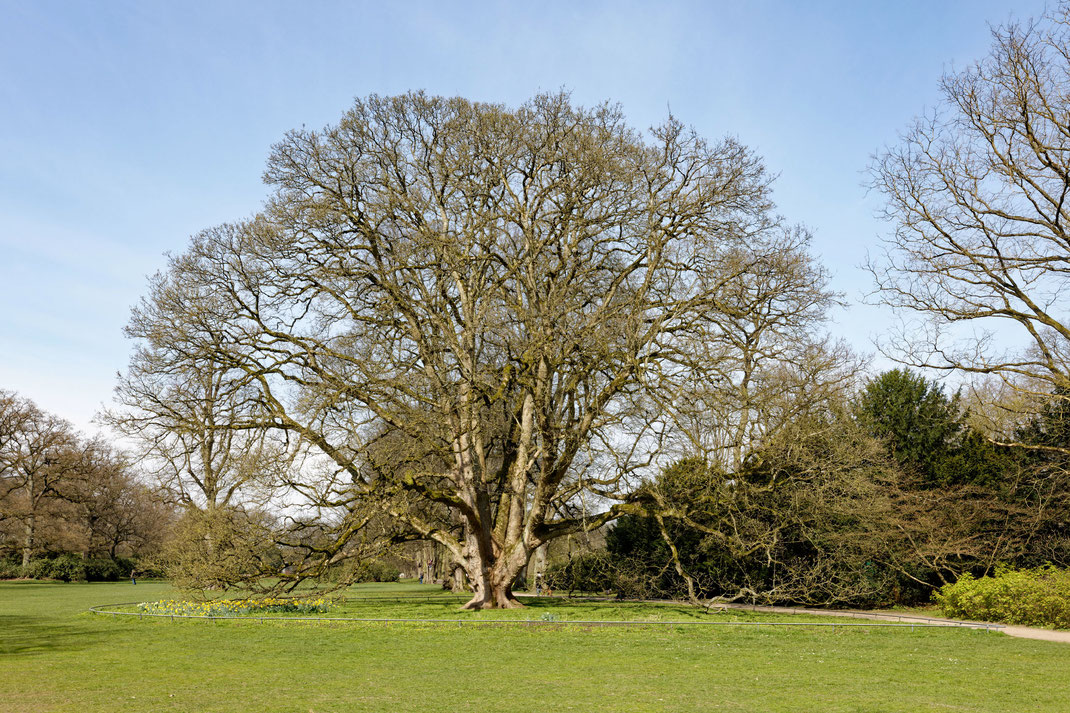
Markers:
point(56, 657)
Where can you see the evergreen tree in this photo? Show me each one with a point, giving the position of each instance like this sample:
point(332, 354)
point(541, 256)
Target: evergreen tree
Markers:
point(925, 430)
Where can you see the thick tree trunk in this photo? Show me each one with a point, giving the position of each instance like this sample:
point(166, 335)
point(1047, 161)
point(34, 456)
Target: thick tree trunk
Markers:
point(493, 592)
point(421, 563)
point(496, 543)
point(457, 577)
point(490, 577)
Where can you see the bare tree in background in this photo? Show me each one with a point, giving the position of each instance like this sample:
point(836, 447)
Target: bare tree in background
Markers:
point(524, 294)
point(772, 359)
point(977, 191)
point(62, 492)
point(192, 420)
point(38, 459)
point(116, 511)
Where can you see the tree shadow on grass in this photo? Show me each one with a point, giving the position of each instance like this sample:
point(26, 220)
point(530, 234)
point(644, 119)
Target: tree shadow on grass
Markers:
point(29, 635)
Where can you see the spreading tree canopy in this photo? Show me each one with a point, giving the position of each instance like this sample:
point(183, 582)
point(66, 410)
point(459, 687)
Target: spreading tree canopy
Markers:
point(461, 308)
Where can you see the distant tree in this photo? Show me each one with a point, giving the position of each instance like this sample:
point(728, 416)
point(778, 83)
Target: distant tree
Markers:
point(192, 420)
point(1050, 427)
point(38, 464)
point(914, 417)
point(117, 512)
point(1043, 483)
point(60, 492)
point(771, 358)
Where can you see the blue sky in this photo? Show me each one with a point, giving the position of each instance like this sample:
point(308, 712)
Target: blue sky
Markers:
point(127, 126)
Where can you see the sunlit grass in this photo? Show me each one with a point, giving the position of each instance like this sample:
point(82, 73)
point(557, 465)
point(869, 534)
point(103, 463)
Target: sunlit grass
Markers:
point(56, 657)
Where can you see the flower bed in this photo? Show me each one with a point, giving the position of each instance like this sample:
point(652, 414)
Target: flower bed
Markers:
point(236, 607)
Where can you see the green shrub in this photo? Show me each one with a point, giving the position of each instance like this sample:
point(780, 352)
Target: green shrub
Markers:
point(40, 568)
point(127, 565)
point(376, 571)
point(67, 568)
point(103, 570)
point(10, 569)
point(587, 572)
point(1027, 597)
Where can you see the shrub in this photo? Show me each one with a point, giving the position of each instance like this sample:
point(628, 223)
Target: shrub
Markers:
point(40, 568)
point(587, 572)
point(67, 568)
point(103, 570)
point(1027, 597)
point(127, 565)
point(10, 569)
point(376, 571)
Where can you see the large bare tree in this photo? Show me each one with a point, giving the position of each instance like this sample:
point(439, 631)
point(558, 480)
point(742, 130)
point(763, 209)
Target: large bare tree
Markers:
point(497, 311)
point(977, 191)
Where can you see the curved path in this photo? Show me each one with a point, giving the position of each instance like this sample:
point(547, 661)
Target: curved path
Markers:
point(1024, 632)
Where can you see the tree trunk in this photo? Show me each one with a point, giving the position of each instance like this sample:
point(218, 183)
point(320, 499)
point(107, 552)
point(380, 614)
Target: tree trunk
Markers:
point(491, 577)
point(457, 577)
point(421, 569)
point(31, 535)
point(493, 591)
point(538, 567)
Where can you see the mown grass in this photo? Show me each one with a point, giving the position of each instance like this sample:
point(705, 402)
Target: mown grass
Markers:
point(55, 657)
